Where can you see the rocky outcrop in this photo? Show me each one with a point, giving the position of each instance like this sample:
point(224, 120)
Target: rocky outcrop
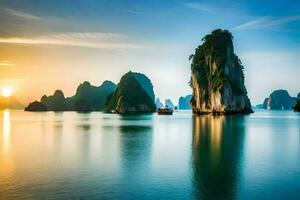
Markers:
point(279, 100)
point(184, 103)
point(36, 106)
point(217, 77)
point(130, 97)
point(158, 103)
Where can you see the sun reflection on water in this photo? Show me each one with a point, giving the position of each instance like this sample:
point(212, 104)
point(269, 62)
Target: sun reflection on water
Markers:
point(6, 131)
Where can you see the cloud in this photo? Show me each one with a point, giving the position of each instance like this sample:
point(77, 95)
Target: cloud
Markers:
point(95, 40)
point(20, 14)
point(267, 22)
point(6, 64)
point(130, 11)
point(200, 6)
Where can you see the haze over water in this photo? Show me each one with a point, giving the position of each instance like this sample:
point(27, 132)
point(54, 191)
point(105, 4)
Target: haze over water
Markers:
point(71, 156)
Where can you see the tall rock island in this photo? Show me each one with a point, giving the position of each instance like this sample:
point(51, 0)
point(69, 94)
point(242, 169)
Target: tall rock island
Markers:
point(134, 94)
point(217, 77)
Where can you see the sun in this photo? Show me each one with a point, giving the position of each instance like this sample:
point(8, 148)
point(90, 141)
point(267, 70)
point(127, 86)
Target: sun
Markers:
point(6, 92)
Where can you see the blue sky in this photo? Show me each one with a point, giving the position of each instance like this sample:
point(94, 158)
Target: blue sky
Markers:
point(58, 44)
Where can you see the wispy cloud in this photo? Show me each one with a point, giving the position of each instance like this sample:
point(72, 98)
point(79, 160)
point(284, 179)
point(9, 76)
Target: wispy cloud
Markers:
point(20, 14)
point(267, 22)
point(95, 40)
point(5, 63)
point(135, 12)
point(200, 6)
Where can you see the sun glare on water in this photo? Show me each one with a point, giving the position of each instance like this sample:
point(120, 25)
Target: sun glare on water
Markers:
point(6, 92)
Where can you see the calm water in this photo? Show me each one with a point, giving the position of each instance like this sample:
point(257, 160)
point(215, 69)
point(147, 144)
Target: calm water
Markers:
point(101, 156)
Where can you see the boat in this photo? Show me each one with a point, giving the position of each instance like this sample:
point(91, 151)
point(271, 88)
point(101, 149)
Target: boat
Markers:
point(165, 111)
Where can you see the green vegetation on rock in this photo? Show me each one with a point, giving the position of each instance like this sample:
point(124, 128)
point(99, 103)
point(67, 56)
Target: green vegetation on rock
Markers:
point(219, 79)
point(131, 96)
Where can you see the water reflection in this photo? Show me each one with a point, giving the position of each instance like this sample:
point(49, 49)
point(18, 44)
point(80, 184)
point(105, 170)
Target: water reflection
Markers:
point(6, 131)
point(83, 129)
point(135, 148)
point(58, 133)
point(217, 150)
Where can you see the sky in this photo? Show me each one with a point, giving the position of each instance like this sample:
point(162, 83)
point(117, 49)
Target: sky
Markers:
point(49, 45)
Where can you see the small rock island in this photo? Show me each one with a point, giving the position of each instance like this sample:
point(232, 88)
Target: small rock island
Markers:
point(134, 94)
point(279, 100)
point(217, 77)
point(184, 102)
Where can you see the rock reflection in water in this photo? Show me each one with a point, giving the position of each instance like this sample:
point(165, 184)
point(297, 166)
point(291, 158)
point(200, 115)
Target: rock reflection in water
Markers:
point(217, 150)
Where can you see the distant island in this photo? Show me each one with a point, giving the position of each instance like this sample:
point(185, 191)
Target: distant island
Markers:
point(217, 77)
point(158, 103)
point(10, 102)
point(184, 102)
point(134, 94)
point(278, 100)
point(169, 104)
point(87, 98)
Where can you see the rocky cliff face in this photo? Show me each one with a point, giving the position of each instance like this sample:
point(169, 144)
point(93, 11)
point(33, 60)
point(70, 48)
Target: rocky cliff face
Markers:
point(217, 77)
point(132, 97)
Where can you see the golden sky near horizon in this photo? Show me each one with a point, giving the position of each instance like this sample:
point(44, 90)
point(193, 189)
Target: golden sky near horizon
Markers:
point(34, 70)
point(49, 45)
